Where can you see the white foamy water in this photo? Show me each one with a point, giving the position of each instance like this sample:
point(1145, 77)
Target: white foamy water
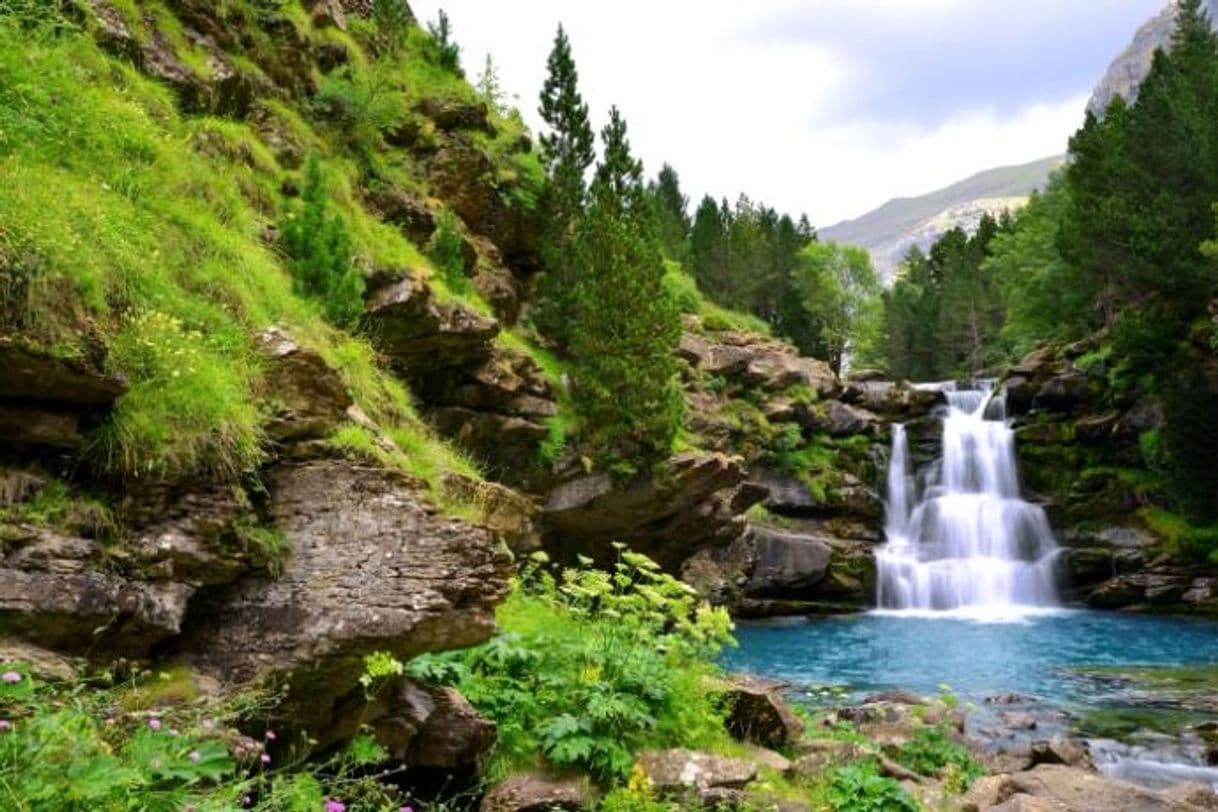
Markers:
point(969, 545)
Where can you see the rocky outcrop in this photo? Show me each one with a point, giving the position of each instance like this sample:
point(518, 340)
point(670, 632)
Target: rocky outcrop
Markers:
point(47, 401)
point(371, 568)
point(423, 335)
point(758, 362)
point(699, 500)
point(309, 396)
point(702, 778)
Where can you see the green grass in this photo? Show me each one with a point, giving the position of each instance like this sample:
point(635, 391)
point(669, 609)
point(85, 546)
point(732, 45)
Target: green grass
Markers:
point(142, 231)
point(682, 286)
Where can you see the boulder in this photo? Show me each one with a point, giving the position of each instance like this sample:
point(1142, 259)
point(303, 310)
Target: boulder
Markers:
point(986, 793)
point(1075, 789)
point(786, 564)
point(534, 792)
point(1060, 750)
point(372, 568)
point(821, 755)
point(310, 397)
point(450, 113)
point(758, 714)
point(1064, 393)
point(785, 494)
point(673, 772)
point(422, 335)
point(413, 215)
point(433, 727)
point(698, 501)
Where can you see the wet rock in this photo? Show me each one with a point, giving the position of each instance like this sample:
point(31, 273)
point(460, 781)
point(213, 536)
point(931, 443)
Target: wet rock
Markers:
point(1077, 789)
point(372, 568)
point(673, 771)
point(760, 715)
point(309, 396)
point(1064, 393)
point(1060, 750)
point(535, 792)
point(422, 335)
point(694, 504)
point(786, 494)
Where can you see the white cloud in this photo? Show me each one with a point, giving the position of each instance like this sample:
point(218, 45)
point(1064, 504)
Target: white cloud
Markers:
point(735, 115)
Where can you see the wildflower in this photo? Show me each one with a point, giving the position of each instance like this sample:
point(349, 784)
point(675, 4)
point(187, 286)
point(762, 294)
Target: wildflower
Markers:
point(11, 677)
point(154, 724)
point(265, 758)
point(246, 800)
point(406, 809)
point(209, 724)
point(334, 806)
point(194, 756)
point(270, 735)
point(5, 725)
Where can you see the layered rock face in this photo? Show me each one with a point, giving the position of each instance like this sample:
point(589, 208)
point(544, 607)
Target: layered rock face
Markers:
point(1082, 451)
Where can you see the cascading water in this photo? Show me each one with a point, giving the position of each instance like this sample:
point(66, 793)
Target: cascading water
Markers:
point(970, 544)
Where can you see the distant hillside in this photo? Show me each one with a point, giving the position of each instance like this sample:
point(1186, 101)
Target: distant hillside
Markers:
point(1129, 68)
point(889, 231)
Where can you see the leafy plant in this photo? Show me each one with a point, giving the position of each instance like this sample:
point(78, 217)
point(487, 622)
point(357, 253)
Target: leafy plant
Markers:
point(593, 665)
point(932, 753)
point(860, 788)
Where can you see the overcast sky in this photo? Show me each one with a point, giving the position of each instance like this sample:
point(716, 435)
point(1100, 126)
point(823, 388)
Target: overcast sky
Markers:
point(829, 107)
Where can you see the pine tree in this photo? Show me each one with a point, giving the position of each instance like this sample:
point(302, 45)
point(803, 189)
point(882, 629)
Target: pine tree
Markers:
point(447, 51)
point(670, 209)
point(489, 87)
point(568, 150)
point(627, 326)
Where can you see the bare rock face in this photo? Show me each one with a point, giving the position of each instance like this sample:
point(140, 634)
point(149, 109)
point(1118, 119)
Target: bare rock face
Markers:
point(422, 335)
point(311, 398)
point(535, 792)
point(55, 592)
point(699, 501)
point(371, 568)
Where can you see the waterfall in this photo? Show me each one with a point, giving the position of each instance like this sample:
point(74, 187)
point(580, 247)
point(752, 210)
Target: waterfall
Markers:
point(969, 543)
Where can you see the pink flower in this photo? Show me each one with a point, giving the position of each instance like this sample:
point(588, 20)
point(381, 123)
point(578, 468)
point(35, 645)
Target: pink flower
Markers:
point(406, 809)
point(270, 735)
point(5, 725)
point(194, 756)
point(334, 806)
point(154, 724)
point(11, 677)
point(246, 800)
point(265, 758)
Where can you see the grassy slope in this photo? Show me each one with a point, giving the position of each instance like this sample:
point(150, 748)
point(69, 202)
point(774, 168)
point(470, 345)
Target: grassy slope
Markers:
point(133, 228)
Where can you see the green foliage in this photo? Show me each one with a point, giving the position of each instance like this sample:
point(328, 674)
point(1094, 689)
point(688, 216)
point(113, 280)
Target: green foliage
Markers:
point(154, 744)
point(840, 295)
point(933, 753)
point(860, 788)
point(446, 249)
point(568, 149)
point(593, 665)
point(444, 47)
point(745, 257)
point(319, 245)
point(944, 314)
point(362, 104)
point(40, 17)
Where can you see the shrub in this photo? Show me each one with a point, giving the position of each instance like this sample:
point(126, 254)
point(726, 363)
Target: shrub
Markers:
point(860, 788)
point(932, 753)
point(593, 665)
point(319, 245)
point(446, 250)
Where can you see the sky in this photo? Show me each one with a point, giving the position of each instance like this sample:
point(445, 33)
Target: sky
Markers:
point(824, 107)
